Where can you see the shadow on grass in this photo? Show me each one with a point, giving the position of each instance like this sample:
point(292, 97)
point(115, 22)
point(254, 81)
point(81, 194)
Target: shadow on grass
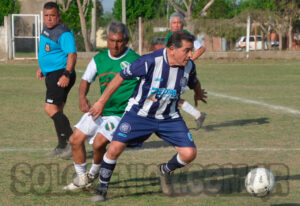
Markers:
point(211, 182)
point(240, 122)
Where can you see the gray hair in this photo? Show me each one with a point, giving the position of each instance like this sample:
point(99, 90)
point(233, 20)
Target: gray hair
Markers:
point(117, 27)
point(177, 15)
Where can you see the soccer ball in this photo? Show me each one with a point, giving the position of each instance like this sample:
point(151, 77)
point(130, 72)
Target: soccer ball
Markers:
point(260, 182)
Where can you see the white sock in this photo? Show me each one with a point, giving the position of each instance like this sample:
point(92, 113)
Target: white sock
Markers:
point(188, 108)
point(95, 168)
point(80, 168)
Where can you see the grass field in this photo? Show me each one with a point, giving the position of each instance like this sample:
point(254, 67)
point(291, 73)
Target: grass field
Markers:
point(253, 118)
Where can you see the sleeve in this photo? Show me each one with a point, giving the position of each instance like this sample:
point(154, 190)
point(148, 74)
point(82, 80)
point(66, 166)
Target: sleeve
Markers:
point(90, 73)
point(138, 68)
point(67, 42)
point(197, 45)
point(193, 80)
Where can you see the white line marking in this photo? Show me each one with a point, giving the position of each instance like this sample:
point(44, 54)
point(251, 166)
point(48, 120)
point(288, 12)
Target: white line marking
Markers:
point(248, 101)
point(163, 148)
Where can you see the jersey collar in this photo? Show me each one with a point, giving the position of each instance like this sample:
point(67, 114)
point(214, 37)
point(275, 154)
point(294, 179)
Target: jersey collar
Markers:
point(117, 58)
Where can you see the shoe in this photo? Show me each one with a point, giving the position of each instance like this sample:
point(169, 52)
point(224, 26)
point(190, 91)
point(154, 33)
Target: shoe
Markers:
point(67, 153)
point(82, 182)
point(100, 193)
point(200, 120)
point(55, 152)
point(72, 187)
point(165, 181)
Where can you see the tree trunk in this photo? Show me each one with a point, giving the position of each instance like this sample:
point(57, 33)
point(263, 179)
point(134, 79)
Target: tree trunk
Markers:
point(280, 40)
point(93, 29)
point(290, 35)
point(83, 27)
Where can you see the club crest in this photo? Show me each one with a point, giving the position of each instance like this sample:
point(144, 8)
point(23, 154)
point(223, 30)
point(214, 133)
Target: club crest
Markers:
point(125, 127)
point(47, 48)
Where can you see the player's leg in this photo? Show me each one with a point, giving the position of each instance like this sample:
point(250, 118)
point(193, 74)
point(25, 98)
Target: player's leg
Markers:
point(176, 133)
point(131, 129)
point(107, 167)
point(85, 128)
point(190, 109)
point(55, 101)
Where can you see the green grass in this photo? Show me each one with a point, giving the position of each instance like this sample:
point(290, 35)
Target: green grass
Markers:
point(215, 178)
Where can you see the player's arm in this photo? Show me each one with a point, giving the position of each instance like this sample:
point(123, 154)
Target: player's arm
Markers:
point(197, 53)
point(68, 46)
point(194, 83)
point(199, 94)
point(98, 107)
point(87, 78)
point(64, 80)
point(84, 104)
point(39, 74)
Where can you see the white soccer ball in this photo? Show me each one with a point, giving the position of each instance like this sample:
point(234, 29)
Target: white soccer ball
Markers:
point(260, 182)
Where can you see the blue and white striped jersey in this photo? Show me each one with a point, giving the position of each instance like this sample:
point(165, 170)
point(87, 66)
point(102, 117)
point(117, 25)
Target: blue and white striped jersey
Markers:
point(160, 85)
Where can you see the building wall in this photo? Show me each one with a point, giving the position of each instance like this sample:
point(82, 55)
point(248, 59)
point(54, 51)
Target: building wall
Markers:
point(32, 6)
point(3, 41)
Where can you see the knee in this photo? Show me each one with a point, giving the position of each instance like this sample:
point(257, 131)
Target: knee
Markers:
point(100, 143)
point(51, 110)
point(48, 111)
point(189, 155)
point(76, 140)
point(115, 149)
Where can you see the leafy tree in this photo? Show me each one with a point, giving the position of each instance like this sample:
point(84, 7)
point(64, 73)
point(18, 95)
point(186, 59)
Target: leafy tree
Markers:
point(70, 16)
point(137, 8)
point(8, 7)
point(219, 10)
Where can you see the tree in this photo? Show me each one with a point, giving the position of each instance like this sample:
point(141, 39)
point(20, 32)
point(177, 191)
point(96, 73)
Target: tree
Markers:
point(8, 7)
point(81, 23)
point(188, 11)
point(146, 9)
point(83, 11)
point(288, 12)
point(221, 9)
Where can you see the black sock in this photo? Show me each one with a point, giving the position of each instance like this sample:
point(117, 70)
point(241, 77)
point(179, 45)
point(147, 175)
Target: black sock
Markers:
point(63, 128)
point(106, 170)
point(172, 165)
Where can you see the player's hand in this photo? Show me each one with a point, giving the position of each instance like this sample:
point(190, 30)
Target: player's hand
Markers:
point(202, 96)
point(63, 81)
point(96, 110)
point(84, 104)
point(39, 74)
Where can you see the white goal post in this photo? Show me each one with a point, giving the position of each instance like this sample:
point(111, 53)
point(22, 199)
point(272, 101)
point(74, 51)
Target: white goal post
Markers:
point(25, 28)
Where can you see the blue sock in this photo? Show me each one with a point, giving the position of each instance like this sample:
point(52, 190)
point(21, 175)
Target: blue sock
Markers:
point(173, 164)
point(106, 170)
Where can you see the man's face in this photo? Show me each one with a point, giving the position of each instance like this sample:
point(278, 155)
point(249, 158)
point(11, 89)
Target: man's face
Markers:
point(116, 44)
point(183, 55)
point(51, 18)
point(176, 24)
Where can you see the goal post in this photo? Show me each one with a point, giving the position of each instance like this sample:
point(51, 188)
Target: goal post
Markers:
point(26, 31)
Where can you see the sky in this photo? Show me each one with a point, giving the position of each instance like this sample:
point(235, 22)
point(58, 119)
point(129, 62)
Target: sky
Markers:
point(107, 5)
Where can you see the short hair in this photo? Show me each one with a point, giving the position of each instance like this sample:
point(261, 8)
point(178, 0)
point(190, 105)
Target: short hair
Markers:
point(177, 15)
point(51, 5)
point(177, 37)
point(117, 27)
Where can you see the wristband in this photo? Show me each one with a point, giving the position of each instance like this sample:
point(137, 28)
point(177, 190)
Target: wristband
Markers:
point(67, 73)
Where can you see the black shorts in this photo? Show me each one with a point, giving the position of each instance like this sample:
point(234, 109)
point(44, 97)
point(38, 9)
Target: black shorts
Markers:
point(55, 94)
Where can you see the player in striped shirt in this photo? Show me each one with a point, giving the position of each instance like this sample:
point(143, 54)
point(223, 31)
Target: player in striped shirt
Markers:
point(153, 108)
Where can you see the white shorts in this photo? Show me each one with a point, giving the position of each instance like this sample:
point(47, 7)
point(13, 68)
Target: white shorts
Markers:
point(104, 125)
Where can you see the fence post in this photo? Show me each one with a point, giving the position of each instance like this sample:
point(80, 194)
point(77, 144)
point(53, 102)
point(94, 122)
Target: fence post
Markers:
point(9, 34)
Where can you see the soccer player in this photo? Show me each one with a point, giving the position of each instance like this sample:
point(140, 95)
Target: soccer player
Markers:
point(153, 108)
point(176, 24)
point(57, 59)
point(106, 64)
